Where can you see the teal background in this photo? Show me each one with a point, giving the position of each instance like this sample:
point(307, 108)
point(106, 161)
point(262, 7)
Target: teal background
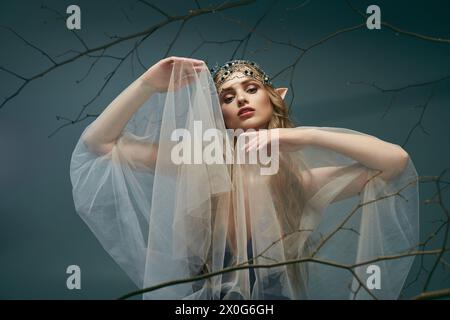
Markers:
point(40, 232)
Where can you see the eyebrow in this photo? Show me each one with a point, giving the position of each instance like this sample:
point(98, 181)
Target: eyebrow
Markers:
point(243, 82)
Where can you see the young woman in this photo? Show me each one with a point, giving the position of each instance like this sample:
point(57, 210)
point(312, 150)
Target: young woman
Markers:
point(338, 200)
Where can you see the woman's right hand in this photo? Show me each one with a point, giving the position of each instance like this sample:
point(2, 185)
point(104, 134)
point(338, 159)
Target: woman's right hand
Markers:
point(158, 76)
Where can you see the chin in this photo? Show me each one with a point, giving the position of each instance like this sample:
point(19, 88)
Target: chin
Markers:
point(256, 125)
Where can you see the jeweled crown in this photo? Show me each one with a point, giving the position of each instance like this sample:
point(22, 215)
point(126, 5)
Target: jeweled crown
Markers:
point(232, 69)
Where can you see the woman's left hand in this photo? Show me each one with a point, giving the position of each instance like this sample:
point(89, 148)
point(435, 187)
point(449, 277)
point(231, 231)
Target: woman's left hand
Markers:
point(289, 139)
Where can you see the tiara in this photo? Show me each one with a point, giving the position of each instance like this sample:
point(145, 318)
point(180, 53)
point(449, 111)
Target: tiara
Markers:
point(228, 71)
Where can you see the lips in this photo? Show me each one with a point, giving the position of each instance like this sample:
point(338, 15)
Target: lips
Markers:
point(244, 110)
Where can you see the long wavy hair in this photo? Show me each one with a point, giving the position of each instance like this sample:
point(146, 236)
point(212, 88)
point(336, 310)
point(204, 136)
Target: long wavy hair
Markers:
point(286, 184)
point(287, 193)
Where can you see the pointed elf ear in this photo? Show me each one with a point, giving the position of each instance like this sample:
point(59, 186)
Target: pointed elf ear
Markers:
point(282, 92)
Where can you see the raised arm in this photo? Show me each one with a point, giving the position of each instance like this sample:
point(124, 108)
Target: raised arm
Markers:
point(387, 158)
point(105, 131)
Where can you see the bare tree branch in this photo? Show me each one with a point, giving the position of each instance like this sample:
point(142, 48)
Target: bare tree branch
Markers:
point(145, 33)
point(311, 258)
point(62, 17)
point(156, 8)
point(394, 91)
point(444, 293)
point(243, 44)
point(45, 54)
point(284, 263)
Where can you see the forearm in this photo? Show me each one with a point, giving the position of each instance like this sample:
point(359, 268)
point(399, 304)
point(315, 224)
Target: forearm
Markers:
point(368, 150)
point(109, 125)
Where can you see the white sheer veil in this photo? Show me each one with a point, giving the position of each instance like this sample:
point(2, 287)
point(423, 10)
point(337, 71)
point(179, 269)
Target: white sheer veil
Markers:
point(176, 221)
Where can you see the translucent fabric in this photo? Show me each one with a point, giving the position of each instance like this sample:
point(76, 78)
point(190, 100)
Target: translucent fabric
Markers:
point(165, 221)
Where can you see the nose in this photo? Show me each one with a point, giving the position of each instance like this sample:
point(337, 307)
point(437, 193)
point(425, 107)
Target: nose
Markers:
point(241, 99)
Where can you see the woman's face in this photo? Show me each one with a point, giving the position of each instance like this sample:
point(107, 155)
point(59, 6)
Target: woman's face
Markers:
point(245, 104)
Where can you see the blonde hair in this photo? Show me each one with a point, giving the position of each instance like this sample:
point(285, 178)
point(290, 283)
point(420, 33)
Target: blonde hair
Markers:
point(280, 116)
point(287, 193)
